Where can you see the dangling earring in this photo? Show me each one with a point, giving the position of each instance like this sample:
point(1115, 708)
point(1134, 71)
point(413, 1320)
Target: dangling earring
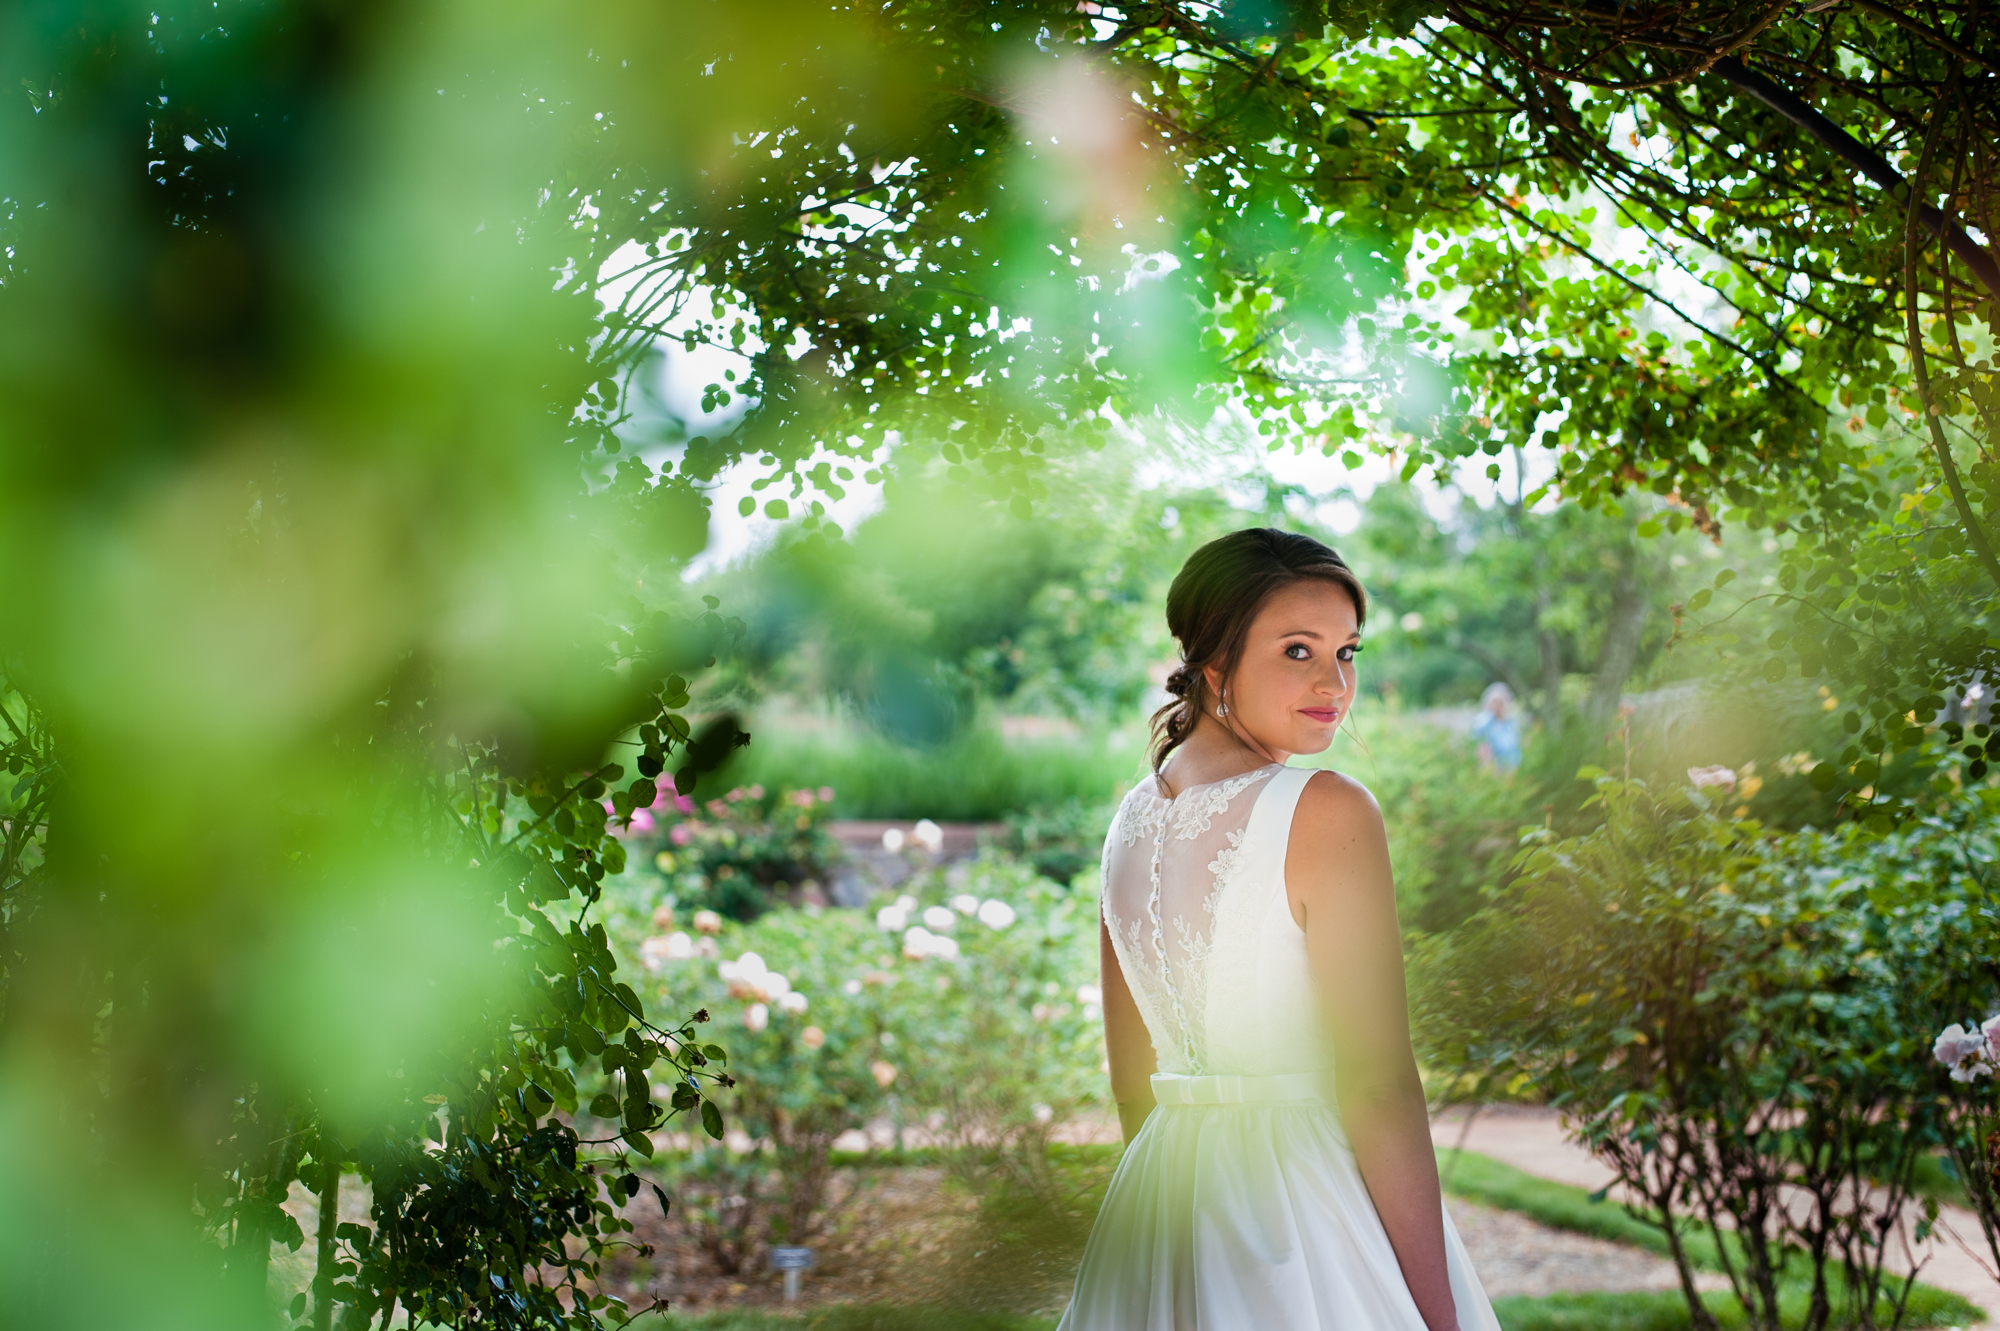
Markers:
point(1222, 708)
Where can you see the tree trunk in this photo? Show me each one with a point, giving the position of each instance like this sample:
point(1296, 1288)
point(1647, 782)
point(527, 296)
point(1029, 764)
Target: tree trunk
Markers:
point(1622, 629)
point(1497, 666)
point(1550, 650)
point(248, 1258)
point(329, 1219)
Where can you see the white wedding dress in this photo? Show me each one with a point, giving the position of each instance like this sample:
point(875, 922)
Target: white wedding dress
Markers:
point(1239, 1207)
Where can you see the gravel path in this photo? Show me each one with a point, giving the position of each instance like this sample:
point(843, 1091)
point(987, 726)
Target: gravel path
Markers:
point(1514, 1255)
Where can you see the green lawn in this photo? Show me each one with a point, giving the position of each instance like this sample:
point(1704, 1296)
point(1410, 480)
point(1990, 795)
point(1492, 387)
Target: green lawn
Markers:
point(857, 1317)
point(977, 777)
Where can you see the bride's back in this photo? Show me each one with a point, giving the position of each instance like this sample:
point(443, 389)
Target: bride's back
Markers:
point(1194, 897)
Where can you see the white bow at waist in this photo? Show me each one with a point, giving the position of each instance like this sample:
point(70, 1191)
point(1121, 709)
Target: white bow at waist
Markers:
point(1173, 1088)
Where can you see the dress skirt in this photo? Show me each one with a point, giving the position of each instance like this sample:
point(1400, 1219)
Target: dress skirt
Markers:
point(1249, 1217)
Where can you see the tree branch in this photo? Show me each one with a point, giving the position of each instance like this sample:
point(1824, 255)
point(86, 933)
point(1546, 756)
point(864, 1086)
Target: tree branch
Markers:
point(1585, 254)
point(1939, 444)
point(1863, 159)
point(1500, 667)
point(1931, 35)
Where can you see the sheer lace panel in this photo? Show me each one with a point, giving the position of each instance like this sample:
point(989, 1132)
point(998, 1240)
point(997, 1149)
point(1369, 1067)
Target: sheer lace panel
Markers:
point(1166, 864)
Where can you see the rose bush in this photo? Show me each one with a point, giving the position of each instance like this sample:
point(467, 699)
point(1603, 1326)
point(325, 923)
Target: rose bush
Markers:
point(1739, 1024)
point(962, 1016)
point(739, 853)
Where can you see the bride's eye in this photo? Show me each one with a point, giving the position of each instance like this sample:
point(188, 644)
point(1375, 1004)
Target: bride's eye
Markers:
point(1347, 653)
point(1298, 651)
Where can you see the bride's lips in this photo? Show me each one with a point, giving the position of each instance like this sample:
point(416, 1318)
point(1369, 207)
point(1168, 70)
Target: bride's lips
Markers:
point(1324, 715)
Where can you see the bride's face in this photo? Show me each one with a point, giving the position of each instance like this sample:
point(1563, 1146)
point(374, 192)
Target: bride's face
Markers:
point(1296, 680)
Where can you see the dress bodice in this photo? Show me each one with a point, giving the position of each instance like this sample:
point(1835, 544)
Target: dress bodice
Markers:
point(1194, 898)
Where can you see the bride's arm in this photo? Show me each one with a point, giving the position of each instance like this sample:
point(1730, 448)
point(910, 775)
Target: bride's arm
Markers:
point(1126, 1044)
point(1337, 876)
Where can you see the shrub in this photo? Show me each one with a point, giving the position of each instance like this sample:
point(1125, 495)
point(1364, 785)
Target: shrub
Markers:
point(1452, 824)
point(966, 1008)
point(1739, 1025)
point(1060, 840)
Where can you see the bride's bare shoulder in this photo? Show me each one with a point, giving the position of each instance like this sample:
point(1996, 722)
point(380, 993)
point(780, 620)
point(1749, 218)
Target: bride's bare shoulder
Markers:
point(1337, 840)
point(1334, 800)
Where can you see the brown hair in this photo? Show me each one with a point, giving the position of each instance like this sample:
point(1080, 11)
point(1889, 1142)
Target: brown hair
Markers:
point(1215, 596)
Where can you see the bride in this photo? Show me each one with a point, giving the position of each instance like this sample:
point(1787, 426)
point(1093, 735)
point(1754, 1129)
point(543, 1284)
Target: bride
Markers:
point(1250, 948)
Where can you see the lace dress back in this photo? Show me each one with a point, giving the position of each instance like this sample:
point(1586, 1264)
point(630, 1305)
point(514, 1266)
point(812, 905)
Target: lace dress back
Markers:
point(1194, 894)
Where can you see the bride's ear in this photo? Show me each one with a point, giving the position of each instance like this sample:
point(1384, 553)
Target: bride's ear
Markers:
point(1211, 676)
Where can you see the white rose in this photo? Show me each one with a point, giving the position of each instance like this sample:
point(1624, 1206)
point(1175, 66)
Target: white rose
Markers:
point(940, 918)
point(892, 919)
point(793, 1002)
point(892, 839)
point(928, 835)
point(756, 1017)
point(965, 904)
point(996, 914)
point(1953, 1043)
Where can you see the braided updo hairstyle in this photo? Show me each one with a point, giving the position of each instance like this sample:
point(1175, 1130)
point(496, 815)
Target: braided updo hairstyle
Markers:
point(1209, 608)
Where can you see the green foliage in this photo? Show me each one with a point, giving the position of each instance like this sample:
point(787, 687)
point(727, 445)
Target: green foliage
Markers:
point(1728, 1018)
point(308, 721)
point(1640, 1311)
point(1453, 826)
point(939, 604)
point(1062, 840)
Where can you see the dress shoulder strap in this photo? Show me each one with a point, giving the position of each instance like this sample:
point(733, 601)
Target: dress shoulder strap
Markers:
point(1280, 804)
point(1261, 861)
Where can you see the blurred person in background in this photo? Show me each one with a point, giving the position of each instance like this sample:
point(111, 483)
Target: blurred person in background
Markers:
point(1496, 732)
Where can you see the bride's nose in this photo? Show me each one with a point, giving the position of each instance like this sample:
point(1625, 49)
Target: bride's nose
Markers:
point(1339, 680)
